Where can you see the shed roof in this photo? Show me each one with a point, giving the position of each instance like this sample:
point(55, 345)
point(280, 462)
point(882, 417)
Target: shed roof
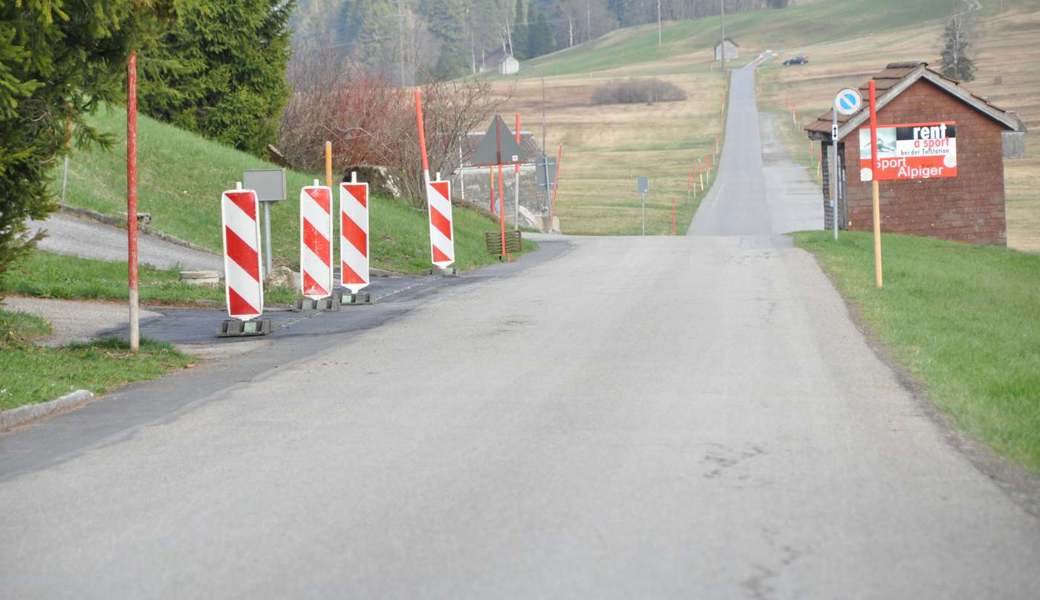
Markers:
point(894, 80)
point(730, 40)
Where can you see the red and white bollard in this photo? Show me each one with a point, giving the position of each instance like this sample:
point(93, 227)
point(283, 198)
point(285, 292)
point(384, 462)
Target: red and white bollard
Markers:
point(316, 241)
point(243, 270)
point(442, 239)
point(354, 240)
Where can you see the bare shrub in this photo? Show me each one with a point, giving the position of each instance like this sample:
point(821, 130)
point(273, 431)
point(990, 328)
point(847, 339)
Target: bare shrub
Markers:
point(637, 91)
point(371, 121)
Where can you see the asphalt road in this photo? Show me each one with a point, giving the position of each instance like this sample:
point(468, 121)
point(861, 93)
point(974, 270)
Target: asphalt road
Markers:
point(67, 234)
point(665, 417)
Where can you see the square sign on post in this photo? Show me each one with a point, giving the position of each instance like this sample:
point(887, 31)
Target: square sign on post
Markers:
point(643, 184)
point(269, 185)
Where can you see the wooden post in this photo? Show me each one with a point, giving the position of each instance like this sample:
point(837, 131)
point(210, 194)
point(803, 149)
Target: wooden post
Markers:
point(875, 171)
point(328, 163)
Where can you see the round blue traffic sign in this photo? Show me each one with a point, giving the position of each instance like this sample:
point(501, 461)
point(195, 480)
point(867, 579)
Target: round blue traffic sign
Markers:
point(848, 101)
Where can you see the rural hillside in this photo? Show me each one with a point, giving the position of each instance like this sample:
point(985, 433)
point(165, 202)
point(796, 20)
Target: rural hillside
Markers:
point(607, 146)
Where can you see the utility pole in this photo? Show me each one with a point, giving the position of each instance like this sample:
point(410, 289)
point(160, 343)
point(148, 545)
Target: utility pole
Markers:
point(400, 39)
point(722, 44)
point(658, 23)
point(545, 157)
point(588, 20)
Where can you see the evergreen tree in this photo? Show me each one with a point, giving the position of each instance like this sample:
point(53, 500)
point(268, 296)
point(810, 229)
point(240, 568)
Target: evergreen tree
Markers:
point(445, 19)
point(221, 71)
point(58, 60)
point(957, 42)
point(380, 26)
point(539, 36)
point(519, 31)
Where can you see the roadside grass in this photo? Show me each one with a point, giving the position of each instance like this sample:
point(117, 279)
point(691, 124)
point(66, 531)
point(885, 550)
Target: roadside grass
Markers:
point(18, 326)
point(181, 176)
point(34, 374)
point(962, 319)
point(48, 275)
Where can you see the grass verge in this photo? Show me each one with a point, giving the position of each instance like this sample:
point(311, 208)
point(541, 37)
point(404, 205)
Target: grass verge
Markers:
point(46, 275)
point(33, 374)
point(962, 319)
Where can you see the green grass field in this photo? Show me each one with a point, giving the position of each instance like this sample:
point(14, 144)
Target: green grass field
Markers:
point(182, 175)
point(963, 319)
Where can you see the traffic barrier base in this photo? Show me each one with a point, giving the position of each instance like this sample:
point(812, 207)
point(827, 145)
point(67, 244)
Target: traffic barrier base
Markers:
point(305, 304)
point(251, 328)
point(449, 271)
point(345, 298)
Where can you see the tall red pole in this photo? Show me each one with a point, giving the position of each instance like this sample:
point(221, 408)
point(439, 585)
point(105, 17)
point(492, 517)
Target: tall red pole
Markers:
point(502, 211)
point(422, 134)
point(875, 168)
point(131, 199)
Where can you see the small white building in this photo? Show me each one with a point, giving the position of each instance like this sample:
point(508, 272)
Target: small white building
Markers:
point(728, 46)
point(509, 66)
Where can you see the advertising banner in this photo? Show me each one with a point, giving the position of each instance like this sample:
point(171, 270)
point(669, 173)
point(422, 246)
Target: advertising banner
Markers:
point(914, 151)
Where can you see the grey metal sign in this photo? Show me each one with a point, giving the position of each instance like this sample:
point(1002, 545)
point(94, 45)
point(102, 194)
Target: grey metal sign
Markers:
point(269, 184)
point(643, 184)
point(498, 146)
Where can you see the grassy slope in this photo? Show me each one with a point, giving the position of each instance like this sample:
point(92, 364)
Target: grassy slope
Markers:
point(962, 318)
point(48, 275)
point(794, 26)
point(181, 177)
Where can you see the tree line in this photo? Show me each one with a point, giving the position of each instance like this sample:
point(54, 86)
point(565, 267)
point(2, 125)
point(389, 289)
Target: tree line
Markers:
point(409, 41)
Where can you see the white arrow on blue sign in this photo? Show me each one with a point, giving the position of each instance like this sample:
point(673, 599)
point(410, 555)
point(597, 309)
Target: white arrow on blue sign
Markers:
point(848, 101)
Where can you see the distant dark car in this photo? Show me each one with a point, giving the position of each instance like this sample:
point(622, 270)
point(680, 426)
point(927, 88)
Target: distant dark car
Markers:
point(796, 60)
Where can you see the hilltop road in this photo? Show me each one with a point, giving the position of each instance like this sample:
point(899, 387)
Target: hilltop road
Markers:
point(663, 417)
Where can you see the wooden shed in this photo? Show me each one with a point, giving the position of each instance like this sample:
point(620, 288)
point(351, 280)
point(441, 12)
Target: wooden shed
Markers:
point(731, 49)
point(960, 197)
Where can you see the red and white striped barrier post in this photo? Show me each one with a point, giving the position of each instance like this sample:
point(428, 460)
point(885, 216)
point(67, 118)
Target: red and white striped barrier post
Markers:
point(442, 238)
point(438, 203)
point(243, 270)
point(353, 235)
point(316, 241)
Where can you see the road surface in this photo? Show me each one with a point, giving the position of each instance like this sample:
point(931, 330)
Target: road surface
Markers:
point(664, 417)
point(67, 234)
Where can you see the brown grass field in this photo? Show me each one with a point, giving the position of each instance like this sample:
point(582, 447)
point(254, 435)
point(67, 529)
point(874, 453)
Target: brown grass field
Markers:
point(606, 147)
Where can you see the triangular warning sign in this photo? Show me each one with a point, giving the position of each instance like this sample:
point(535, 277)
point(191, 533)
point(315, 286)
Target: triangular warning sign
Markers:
point(498, 146)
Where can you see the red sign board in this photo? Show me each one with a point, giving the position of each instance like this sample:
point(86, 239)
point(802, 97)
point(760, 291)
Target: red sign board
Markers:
point(912, 151)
